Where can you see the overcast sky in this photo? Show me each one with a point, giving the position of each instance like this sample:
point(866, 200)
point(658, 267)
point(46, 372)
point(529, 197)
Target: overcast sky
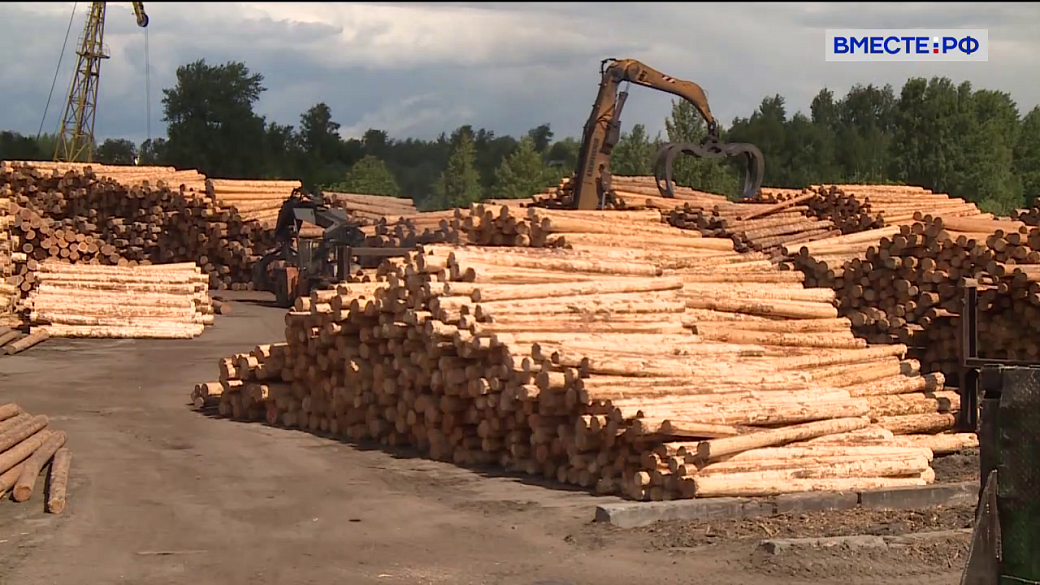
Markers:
point(420, 69)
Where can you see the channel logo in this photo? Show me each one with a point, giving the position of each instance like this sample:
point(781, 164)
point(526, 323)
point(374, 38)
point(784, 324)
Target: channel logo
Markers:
point(902, 45)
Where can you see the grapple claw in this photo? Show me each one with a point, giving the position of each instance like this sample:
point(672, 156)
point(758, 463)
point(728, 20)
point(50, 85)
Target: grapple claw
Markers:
point(752, 163)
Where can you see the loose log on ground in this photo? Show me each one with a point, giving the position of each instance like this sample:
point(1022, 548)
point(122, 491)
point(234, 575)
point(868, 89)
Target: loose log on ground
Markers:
point(23, 488)
point(58, 481)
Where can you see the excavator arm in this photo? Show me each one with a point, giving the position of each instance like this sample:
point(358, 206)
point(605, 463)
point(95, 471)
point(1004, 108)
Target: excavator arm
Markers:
point(592, 187)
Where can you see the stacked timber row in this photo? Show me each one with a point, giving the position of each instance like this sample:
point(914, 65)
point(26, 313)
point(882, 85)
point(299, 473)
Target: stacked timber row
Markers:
point(1029, 216)
point(904, 284)
point(11, 261)
point(428, 227)
point(129, 175)
point(248, 382)
point(824, 261)
point(80, 217)
point(28, 447)
point(856, 208)
point(394, 222)
point(772, 195)
point(757, 226)
point(253, 200)
point(371, 207)
point(166, 301)
point(633, 193)
point(648, 373)
point(611, 231)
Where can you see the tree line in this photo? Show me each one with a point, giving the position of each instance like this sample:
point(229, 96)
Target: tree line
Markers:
point(969, 143)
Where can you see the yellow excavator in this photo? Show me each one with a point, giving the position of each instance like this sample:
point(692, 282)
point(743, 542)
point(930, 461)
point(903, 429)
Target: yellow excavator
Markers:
point(592, 189)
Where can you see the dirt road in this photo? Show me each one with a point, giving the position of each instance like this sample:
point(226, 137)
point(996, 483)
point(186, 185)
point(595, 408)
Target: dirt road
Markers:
point(161, 495)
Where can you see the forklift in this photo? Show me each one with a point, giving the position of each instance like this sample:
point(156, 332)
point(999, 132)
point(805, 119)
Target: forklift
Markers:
point(301, 262)
point(1000, 400)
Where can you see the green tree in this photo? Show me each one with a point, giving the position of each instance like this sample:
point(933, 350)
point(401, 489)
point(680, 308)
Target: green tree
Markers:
point(864, 133)
point(633, 154)
point(491, 151)
point(14, 146)
point(284, 155)
point(541, 136)
point(523, 173)
point(322, 154)
point(48, 143)
point(319, 133)
point(1027, 155)
point(563, 154)
point(369, 176)
point(822, 142)
point(924, 138)
point(989, 125)
point(459, 183)
point(153, 152)
point(118, 151)
point(210, 121)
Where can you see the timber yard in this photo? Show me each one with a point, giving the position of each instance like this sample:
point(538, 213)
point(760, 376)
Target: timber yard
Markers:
point(617, 379)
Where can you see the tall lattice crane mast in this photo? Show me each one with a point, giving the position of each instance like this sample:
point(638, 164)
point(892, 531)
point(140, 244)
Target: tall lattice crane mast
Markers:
point(76, 140)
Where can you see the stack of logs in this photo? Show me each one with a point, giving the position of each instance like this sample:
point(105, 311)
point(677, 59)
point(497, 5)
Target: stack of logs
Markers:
point(26, 448)
point(1029, 216)
point(907, 285)
point(757, 227)
point(428, 227)
point(10, 289)
point(686, 370)
point(129, 175)
point(253, 200)
point(857, 208)
point(126, 216)
point(901, 262)
point(631, 193)
point(784, 217)
point(165, 301)
point(83, 218)
point(371, 207)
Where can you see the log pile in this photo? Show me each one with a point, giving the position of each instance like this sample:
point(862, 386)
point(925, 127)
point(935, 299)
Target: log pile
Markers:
point(428, 227)
point(684, 370)
point(11, 263)
point(856, 208)
point(27, 446)
point(165, 301)
point(128, 175)
point(371, 207)
point(633, 193)
point(1029, 216)
point(755, 226)
point(899, 265)
point(909, 288)
point(80, 217)
point(538, 227)
point(904, 283)
point(778, 218)
point(253, 200)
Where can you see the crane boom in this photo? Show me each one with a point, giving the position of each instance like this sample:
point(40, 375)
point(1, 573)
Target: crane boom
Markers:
point(76, 139)
point(592, 180)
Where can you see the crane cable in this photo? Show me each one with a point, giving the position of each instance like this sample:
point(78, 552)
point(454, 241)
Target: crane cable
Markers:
point(57, 70)
point(147, 87)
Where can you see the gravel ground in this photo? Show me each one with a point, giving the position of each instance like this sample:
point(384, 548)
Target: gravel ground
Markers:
point(957, 467)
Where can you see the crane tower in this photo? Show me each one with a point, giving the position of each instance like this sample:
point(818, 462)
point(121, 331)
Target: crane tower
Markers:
point(76, 139)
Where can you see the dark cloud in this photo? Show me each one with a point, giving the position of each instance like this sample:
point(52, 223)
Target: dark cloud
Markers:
point(422, 69)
